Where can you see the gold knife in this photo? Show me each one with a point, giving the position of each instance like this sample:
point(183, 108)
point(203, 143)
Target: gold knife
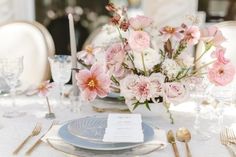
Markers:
point(30, 150)
point(171, 140)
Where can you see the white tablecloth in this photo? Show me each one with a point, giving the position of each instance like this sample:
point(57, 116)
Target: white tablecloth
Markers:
point(16, 129)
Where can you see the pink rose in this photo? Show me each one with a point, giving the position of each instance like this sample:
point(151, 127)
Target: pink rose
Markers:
point(219, 53)
point(139, 40)
point(140, 22)
point(192, 35)
point(221, 74)
point(175, 91)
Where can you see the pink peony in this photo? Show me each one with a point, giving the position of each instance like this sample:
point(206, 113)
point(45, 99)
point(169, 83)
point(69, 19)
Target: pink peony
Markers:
point(115, 56)
point(139, 40)
point(221, 74)
point(168, 32)
point(88, 54)
point(143, 89)
point(140, 22)
point(219, 53)
point(93, 82)
point(192, 35)
point(212, 34)
point(175, 91)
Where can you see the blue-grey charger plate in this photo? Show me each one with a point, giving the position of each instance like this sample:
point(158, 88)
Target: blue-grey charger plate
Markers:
point(86, 143)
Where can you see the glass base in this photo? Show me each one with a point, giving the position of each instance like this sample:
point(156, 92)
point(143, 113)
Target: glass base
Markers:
point(13, 114)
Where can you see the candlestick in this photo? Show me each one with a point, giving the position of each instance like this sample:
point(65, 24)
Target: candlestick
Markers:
point(73, 53)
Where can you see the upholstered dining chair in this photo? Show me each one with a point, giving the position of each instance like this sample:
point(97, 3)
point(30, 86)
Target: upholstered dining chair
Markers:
point(32, 41)
point(228, 29)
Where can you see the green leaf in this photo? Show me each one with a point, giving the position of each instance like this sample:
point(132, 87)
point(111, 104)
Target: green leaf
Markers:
point(147, 105)
point(135, 105)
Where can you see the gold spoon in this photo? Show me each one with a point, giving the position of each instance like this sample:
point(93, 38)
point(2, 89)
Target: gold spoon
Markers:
point(171, 140)
point(184, 135)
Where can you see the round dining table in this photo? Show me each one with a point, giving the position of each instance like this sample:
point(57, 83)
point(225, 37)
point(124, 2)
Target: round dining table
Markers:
point(14, 130)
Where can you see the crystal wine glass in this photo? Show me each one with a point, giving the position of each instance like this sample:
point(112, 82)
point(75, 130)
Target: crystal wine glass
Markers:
point(11, 68)
point(199, 92)
point(61, 71)
point(223, 97)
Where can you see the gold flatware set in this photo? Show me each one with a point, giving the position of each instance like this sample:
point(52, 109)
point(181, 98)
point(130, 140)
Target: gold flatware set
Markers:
point(36, 131)
point(228, 139)
point(182, 135)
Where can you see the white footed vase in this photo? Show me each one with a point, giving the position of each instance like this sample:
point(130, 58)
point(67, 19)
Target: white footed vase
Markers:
point(156, 110)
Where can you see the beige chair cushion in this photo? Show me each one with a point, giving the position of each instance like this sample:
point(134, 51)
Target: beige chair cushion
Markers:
point(32, 41)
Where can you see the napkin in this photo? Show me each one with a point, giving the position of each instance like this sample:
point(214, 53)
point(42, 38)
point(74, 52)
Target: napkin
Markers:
point(124, 128)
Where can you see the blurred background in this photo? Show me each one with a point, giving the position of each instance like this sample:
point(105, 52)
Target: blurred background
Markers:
point(90, 15)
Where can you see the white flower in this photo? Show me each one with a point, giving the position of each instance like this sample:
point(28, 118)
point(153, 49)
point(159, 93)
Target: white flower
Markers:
point(126, 86)
point(170, 68)
point(185, 60)
point(151, 58)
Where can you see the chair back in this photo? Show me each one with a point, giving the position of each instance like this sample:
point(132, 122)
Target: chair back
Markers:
point(32, 41)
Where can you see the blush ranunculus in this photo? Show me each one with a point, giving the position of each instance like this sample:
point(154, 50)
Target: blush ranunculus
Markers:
point(221, 74)
point(175, 91)
point(192, 35)
point(139, 40)
point(140, 22)
point(93, 82)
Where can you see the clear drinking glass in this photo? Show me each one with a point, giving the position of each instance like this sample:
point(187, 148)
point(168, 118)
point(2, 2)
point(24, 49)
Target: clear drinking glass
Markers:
point(11, 68)
point(223, 97)
point(199, 92)
point(61, 66)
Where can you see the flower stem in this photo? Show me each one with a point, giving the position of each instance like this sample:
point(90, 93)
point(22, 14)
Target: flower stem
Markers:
point(168, 111)
point(49, 108)
point(144, 67)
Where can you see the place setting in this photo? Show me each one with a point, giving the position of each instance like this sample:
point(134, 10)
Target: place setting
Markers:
point(122, 134)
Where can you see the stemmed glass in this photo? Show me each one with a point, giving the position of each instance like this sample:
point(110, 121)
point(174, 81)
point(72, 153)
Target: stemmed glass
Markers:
point(61, 71)
point(223, 97)
point(199, 92)
point(11, 69)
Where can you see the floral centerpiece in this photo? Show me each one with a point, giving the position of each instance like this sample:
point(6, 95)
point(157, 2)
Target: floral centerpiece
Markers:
point(148, 67)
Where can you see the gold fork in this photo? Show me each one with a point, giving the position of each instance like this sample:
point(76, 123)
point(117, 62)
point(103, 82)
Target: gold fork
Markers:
point(34, 132)
point(231, 136)
point(225, 141)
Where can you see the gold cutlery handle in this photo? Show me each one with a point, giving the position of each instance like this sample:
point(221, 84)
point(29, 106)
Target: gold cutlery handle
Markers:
point(174, 146)
point(188, 150)
point(21, 145)
point(30, 150)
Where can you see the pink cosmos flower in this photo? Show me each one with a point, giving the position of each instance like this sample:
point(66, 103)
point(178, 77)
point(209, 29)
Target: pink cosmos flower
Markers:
point(219, 53)
point(88, 54)
point(221, 74)
point(212, 34)
point(43, 88)
point(140, 22)
point(115, 56)
point(93, 82)
point(168, 32)
point(192, 35)
point(139, 40)
point(175, 91)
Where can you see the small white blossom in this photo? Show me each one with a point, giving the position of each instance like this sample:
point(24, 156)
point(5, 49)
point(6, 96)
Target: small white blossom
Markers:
point(170, 68)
